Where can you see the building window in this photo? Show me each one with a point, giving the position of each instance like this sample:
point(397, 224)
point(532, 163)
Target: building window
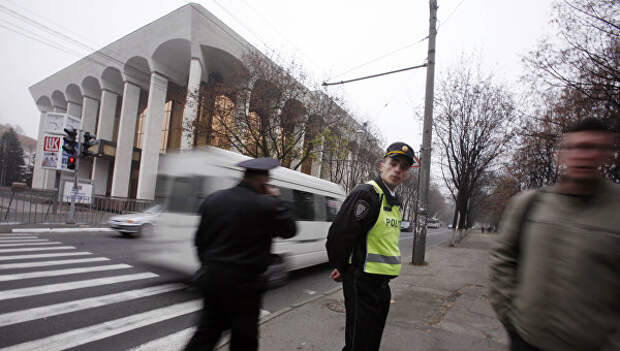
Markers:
point(165, 127)
point(140, 129)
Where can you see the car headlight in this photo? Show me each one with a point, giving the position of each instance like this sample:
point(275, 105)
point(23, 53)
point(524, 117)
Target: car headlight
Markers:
point(132, 221)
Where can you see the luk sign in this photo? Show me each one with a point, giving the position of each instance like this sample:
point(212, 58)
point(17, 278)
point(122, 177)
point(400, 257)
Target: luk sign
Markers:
point(51, 143)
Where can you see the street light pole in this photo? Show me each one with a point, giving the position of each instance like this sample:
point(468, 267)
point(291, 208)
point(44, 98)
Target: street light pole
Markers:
point(419, 244)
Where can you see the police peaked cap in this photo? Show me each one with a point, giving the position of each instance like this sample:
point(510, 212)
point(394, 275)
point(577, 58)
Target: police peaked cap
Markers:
point(259, 165)
point(400, 149)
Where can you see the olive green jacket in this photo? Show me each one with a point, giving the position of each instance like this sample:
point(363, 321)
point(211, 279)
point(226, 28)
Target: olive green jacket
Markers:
point(557, 283)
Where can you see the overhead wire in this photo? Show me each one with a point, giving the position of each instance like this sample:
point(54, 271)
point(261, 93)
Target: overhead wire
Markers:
point(266, 20)
point(122, 61)
point(379, 58)
point(242, 24)
point(399, 49)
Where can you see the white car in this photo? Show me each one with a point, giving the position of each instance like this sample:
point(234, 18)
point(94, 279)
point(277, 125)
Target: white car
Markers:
point(433, 224)
point(135, 224)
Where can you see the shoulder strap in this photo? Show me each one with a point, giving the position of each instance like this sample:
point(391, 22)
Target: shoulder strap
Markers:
point(527, 210)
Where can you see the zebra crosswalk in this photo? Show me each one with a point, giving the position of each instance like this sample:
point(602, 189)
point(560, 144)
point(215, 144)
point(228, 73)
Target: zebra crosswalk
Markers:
point(54, 296)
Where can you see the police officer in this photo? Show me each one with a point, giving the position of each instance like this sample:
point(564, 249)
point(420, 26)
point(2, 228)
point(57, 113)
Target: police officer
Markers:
point(362, 245)
point(234, 242)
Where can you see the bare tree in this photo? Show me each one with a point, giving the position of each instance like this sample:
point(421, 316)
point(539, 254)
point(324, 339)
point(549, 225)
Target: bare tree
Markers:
point(576, 78)
point(353, 155)
point(587, 58)
point(472, 127)
point(266, 110)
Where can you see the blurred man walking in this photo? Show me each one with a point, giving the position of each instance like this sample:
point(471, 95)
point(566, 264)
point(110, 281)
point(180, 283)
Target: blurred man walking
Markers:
point(555, 272)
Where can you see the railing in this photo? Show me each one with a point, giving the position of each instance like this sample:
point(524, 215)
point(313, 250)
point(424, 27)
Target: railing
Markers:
point(33, 206)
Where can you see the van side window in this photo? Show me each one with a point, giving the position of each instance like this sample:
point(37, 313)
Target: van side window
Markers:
point(319, 208)
point(304, 205)
point(332, 208)
point(182, 195)
point(286, 194)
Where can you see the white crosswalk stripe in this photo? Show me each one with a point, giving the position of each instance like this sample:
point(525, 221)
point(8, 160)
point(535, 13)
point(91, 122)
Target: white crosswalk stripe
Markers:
point(83, 304)
point(103, 330)
point(174, 341)
point(18, 253)
point(51, 263)
point(46, 255)
point(30, 244)
point(68, 271)
point(52, 288)
point(30, 249)
point(9, 236)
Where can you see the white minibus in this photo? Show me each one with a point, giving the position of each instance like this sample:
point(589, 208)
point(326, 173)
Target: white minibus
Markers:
point(186, 178)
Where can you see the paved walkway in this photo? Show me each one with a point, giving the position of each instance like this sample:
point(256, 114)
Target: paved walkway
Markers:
point(441, 306)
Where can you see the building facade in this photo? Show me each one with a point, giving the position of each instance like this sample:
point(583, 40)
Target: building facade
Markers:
point(133, 94)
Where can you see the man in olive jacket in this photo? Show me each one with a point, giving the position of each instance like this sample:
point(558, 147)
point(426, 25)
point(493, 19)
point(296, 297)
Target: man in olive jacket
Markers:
point(555, 271)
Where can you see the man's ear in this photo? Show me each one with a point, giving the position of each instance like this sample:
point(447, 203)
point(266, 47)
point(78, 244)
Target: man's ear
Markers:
point(381, 166)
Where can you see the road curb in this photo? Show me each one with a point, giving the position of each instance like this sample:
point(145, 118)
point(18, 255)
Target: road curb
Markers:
point(298, 304)
point(286, 310)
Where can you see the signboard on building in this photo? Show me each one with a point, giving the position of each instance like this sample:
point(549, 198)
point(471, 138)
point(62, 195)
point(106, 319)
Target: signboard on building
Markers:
point(53, 156)
point(83, 194)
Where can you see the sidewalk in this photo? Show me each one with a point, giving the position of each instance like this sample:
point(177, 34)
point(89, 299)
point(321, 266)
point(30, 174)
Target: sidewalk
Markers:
point(442, 306)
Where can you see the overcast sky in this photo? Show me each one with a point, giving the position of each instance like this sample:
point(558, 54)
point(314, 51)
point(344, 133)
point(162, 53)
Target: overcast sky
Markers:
point(330, 38)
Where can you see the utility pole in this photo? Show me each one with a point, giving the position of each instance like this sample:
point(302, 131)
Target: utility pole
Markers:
point(419, 241)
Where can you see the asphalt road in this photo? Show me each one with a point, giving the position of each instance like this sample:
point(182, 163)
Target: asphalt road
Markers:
point(88, 291)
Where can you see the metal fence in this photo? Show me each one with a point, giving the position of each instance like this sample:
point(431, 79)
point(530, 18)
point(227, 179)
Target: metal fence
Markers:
point(33, 206)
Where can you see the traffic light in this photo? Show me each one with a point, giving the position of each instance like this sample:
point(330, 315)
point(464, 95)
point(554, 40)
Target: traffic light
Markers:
point(71, 162)
point(89, 140)
point(70, 146)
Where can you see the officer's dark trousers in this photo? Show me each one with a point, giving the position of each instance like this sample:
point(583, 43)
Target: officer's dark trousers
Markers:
point(518, 344)
point(232, 301)
point(367, 301)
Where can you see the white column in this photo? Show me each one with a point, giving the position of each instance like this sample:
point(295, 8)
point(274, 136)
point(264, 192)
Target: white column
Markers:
point(105, 130)
point(74, 109)
point(124, 144)
point(40, 176)
point(191, 103)
point(317, 163)
point(149, 159)
point(90, 106)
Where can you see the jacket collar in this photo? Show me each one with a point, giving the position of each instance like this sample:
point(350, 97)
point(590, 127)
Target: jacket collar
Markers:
point(392, 200)
point(245, 185)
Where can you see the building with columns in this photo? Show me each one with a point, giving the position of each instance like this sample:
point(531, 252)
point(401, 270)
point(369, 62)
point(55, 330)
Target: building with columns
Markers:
point(132, 94)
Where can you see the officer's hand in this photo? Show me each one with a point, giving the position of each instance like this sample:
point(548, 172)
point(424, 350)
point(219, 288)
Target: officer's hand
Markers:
point(336, 276)
point(273, 191)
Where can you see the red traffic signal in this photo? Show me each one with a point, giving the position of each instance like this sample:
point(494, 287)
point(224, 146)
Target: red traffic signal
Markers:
point(71, 162)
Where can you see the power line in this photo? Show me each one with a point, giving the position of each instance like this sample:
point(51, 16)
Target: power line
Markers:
point(441, 23)
point(374, 75)
point(242, 24)
point(382, 57)
point(122, 61)
point(282, 34)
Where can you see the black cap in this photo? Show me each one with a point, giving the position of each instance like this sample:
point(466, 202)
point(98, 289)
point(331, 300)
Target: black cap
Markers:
point(259, 165)
point(400, 149)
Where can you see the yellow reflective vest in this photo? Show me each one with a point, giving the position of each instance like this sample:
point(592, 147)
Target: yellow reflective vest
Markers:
point(382, 251)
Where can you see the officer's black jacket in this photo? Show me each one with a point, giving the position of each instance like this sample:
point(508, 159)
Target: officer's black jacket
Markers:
point(237, 226)
point(347, 234)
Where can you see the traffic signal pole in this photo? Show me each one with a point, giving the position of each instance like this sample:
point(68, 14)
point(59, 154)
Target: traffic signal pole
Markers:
point(419, 241)
point(71, 219)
